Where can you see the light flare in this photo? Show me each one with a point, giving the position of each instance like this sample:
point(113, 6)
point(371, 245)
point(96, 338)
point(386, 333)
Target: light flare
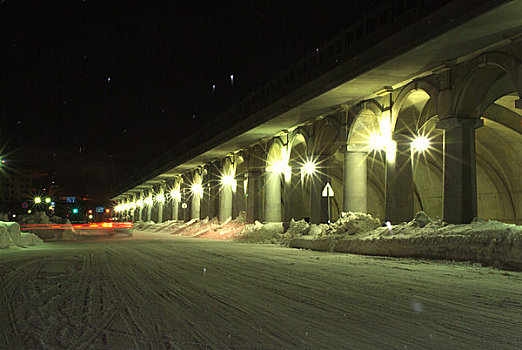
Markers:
point(420, 144)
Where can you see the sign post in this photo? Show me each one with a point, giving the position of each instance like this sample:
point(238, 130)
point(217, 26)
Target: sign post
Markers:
point(328, 193)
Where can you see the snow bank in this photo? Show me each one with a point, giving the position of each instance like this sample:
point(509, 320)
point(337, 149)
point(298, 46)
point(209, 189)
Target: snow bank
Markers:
point(10, 235)
point(206, 228)
point(488, 242)
point(262, 233)
point(66, 233)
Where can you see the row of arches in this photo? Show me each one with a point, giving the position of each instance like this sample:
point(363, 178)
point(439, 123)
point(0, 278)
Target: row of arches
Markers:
point(449, 144)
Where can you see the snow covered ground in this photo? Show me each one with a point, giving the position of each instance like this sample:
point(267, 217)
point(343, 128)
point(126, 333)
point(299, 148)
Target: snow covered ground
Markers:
point(155, 290)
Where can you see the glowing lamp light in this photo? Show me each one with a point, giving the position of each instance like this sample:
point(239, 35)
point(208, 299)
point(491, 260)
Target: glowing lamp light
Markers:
point(197, 189)
point(148, 201)
point(37, 200)
point(29, 211)
point(47, 200)
point(308, 168)
point(420, 144)
point(228, 180)
point(75, 211)
point(377, 142)
point(160, 198)
point(175, 194)
point(139, 203)
point(90, 216)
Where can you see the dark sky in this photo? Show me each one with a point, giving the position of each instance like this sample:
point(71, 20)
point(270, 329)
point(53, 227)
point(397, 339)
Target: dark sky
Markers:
point(96, 88)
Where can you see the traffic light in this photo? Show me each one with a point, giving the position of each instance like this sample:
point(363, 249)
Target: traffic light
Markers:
point(75, 211)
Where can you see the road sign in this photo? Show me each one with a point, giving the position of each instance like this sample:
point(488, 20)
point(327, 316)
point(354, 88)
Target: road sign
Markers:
point(25, 205)
point(328, 190)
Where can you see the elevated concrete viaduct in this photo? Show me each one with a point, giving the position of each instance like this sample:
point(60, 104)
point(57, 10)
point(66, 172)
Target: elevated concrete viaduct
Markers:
point(417, 106)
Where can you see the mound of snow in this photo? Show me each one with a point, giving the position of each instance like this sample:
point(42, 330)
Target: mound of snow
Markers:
point(352, 223)
point(66, 232)
point(262, 233)
point(227, 230)
point(489, 242)
point(10, 235)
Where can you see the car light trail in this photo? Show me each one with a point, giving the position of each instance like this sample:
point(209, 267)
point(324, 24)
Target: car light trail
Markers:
point(92, 226)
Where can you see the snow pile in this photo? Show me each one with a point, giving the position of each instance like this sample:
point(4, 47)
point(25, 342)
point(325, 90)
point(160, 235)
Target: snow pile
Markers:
point(206, 228)
point(489, 242)
point(66, 232)
point(10, 235)
point(352, 223)
point(227, 230)
point(262, 233)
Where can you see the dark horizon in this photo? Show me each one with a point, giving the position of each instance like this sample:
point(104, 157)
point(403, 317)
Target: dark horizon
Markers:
point(117, 85)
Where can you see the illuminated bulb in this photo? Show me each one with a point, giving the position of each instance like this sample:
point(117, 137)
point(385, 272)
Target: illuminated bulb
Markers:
point(175, 194)
point(377, 142)
point(420, 144)
point(228, 180)
point(148, 201)
point(47, 200)
point(37, 200)
point(308, 168)
point(197, 189)
point(139, 203)
point(160, 198)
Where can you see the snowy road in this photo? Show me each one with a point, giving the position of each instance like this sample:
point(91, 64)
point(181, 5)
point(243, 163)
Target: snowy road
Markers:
point(184, 293)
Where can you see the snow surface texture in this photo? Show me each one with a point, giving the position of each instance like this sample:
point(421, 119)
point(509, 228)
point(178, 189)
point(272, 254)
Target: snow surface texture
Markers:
point(488, 242)
point(161, 291)
point(10, 235)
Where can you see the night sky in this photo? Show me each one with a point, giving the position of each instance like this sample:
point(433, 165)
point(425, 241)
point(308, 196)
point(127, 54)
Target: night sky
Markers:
point(94, 89)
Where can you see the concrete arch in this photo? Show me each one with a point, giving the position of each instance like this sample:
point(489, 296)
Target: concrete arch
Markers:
point(327, 138)
point(365, 121)
point(417, 85)
point(480, 77)
point(295, 193)
point(276, 167)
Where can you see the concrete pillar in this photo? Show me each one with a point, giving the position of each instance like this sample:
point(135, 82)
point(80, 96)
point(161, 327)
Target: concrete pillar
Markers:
point(272, 197)
point(140, 207)
point(175, 208)
point(134, 199)
point(399, 181)
point(195, 207)
point(212, 191)
point(318, 204)
point(254, 198)
point(225, 202)
point(149, 208)
point(460, 173)
point(239, 200)
point(294, 194)
point(355, 181)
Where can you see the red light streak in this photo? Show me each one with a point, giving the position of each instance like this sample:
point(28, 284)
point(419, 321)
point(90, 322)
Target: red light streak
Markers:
point(92, 226)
